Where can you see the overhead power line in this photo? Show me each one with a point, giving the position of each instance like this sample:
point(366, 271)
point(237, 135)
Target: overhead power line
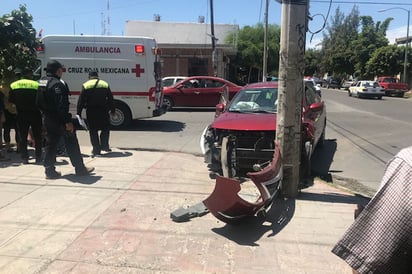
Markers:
point(362, 3)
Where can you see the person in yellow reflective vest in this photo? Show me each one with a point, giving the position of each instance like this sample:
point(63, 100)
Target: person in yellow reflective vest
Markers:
point(23, 95)
point(97, 98)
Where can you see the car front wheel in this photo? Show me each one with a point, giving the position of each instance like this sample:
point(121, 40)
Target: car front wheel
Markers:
point(168, 102)
point(305, 165)
point(122, 116)
point(228, 157)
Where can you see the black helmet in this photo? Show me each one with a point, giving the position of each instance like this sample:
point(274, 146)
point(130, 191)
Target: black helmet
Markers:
point(93, 73)
point(53, 66)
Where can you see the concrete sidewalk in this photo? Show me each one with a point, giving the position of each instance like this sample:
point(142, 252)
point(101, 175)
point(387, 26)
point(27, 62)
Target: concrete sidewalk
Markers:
point(118, 221)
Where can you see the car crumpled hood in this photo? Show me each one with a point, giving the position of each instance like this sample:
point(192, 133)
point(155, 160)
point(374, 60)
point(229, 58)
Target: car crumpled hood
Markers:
point(245, 121)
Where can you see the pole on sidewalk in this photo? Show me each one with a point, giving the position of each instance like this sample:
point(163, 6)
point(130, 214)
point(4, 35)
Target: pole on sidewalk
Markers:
point(265, 44)
point(212, 29)
point(291, 70)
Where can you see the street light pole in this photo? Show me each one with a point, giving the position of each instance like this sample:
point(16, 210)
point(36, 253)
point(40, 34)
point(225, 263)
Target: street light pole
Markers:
point(405, 62)
point(406, 51)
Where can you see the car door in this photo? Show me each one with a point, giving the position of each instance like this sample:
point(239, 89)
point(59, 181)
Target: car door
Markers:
point(211, 92)
point(187, 93)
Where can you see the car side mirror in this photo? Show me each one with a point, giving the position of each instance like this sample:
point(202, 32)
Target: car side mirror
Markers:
point(219, 109)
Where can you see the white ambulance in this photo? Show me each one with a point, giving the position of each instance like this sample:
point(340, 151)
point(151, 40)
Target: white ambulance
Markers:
point(131, 66)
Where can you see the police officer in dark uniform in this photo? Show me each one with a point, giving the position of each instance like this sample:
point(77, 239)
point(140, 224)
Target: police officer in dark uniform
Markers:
point(97, 98)
point(58, 121)
point(23, 95)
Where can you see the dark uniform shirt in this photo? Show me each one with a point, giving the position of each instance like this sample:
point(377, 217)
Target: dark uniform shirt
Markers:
point(57, 98)
point(23, 95)
point(96, 95)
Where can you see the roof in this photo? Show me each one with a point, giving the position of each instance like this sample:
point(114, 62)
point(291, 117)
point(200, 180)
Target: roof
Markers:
point(179, 33)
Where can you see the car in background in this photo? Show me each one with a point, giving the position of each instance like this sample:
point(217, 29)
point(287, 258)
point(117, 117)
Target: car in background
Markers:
point(366, 89)
point(171, 80)
point(198, 91)
point(311, 82)
point(347, 84)
point(242, 136)
point(331, 82)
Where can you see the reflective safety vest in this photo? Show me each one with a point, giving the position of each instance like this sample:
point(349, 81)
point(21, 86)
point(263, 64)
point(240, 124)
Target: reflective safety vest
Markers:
point(24, 84)
point(92, 84)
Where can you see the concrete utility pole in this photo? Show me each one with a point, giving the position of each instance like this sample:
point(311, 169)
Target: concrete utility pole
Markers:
point(291, 70)
point(212, 29)
point(265, 44)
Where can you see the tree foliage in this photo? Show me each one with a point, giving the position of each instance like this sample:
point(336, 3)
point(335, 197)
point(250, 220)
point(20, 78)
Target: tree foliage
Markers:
point(18, 41)
point(337, 47)
point(387, 60)
point(355, 45)
point(250, 45)
point(372, 37)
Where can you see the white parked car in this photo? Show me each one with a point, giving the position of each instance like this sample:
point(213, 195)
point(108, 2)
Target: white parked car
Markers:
point(172, 80)
point(312, 83)
point(366, 88)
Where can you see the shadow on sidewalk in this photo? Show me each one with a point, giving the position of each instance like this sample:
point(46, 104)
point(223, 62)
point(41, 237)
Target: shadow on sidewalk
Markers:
point(153, 125)
point(322, 160)
point(250, 230)
point(84, 180)
point(333, 198)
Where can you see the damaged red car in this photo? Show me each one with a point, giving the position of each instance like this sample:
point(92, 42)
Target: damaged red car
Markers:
point(241, 139)
point(241, 150)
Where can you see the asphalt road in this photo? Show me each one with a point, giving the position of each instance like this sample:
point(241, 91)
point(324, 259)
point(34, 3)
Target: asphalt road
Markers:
point(361, 136)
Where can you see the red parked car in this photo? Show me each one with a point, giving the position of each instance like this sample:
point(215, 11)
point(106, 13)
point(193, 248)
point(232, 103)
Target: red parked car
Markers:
point(241, 139)
point(197, 91)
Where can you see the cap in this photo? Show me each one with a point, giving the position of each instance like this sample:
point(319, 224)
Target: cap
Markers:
point(53, 66)
point(93, 73)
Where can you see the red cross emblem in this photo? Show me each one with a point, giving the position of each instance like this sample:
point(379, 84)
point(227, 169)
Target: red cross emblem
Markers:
point(137, 70)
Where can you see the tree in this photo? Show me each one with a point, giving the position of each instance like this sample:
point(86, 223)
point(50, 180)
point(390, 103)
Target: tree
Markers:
point(371, 38)
point(18, 43)
point(337, 49)
point(249, 58)
point(386, 61)
point(312, 65)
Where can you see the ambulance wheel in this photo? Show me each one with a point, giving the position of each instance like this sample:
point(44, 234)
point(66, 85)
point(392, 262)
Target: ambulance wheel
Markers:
point(168, 102)
point(121, 117)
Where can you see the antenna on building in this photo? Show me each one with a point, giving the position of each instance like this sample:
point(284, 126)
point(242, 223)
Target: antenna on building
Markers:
point(108, 18)
point(103, 24)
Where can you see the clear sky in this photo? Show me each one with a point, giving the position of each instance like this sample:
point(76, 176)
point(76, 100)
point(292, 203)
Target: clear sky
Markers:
point(87, 16)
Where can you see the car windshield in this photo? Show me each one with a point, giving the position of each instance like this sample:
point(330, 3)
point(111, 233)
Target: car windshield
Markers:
point(255, 100)
point(371, 84)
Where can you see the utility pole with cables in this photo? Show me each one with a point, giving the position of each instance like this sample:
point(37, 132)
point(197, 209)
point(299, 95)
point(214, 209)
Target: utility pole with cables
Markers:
point(212, 30)
point(265, 44)
point(291, 70)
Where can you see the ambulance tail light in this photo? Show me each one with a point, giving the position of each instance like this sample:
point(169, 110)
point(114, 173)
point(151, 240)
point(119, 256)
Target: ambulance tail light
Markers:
point(152, 94)
point(139, 49)
point(156, 95)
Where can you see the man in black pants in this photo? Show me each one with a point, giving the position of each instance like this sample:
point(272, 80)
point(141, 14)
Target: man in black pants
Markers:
point(23, 95)
point(97, 98)
point(53, 99)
